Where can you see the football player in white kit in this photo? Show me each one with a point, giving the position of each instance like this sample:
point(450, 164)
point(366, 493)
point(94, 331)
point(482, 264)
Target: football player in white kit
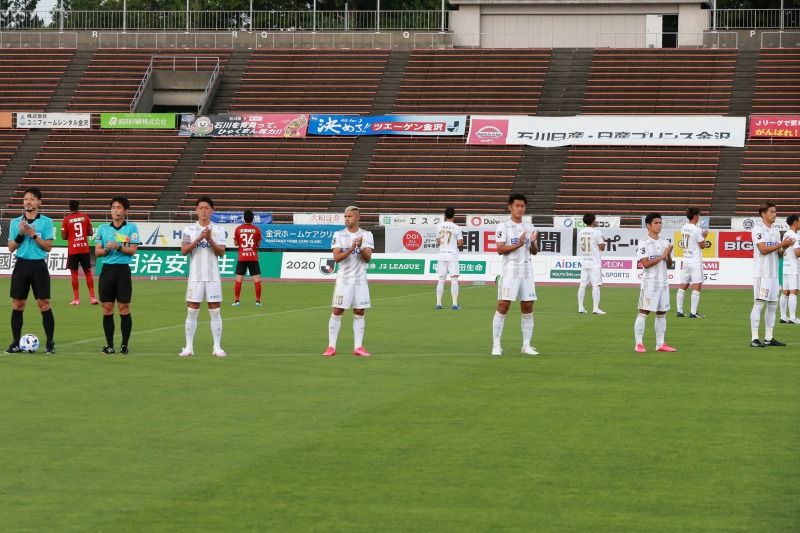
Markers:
point(204, 242)
point(516, 242)
point(590, 244)
point(791, 273)
point(693, 241)
point(352, 250)
point(767, 248)
point(451, 241)
point(655, 255)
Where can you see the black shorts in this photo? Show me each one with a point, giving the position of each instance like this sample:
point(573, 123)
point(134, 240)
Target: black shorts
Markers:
point(242, 267)
point(30, 273)
point(82, 260)
point(115, 284)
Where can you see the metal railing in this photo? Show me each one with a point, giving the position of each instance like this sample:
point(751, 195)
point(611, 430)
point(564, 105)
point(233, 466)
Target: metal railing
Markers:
point(244, 20)
point(709, 39)
point(730, 19)
point(780, 39)
point(166, 60)
point(38, 39)
point(329, 40)
point(165, 40)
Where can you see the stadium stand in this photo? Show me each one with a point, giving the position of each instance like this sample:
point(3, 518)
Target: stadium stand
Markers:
point(94, 165)
point(278, 175)
point(10, 141)
point(464, 81)
point(770, 171)
point(656, 81)
point(30, 76)
point(635, 180)
point(311, 81)
point(424, 174)
point(777, 89)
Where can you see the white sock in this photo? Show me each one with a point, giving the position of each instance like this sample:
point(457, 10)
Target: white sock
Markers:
point(695, 301)
point(191, 326)
point(679, 300)
point(497, 326)
point(793, 306)
point(596, 297)
point(638, 327)
point(454, 289)
point(216, 327)
point(527, 329)
point(769, 319)
point(784, 301)
point(755, 318)
point(439, 291)
point(581, 296)
point(334, 324)
point(661, 329)
point(358, 331)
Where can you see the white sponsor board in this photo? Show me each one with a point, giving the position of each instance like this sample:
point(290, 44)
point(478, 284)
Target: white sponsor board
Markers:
point(56, 262)
point(318, 218)
point(476, 221)
point(170, 234)
point(576, 221)
point(605, 130)
point(676, 222)
point(748, 223)
point(418, 219)
point(418, 240)
point(54, 120)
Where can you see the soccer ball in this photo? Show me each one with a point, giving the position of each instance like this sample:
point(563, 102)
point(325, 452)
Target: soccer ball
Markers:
point(29, 343)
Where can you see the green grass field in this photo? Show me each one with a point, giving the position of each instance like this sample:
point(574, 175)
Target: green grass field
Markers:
point(431, 435)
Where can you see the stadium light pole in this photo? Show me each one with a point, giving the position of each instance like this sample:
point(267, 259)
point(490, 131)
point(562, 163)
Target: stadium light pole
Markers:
point(187, 16)
point(442, 16)
point(60, 16)
point(314, 19)
point(124, 16)
point(781, 15)
point(378, 18)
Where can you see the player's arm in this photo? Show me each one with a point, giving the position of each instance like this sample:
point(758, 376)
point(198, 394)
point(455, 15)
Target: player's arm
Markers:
point(647, 262)
point(44, 244)
point(366, 254)
point(601, 243)
point(15, 238)
point(99, 246)
point(219, 249)
point(777, 247)
point(131, 249)
point(534, 247)
point(503, 248)
point(460, 245)
point(64, 233)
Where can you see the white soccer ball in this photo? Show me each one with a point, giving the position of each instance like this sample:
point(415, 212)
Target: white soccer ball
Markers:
point(29, 343)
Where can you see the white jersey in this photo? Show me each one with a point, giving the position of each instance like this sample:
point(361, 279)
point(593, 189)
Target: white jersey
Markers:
point(791, 263)
point(516, 264)
point(655, 277)
point(692, 242)
point(589, 241)
point(203, 262)
point(765, 266)
point(448, 234)
point(352, 269)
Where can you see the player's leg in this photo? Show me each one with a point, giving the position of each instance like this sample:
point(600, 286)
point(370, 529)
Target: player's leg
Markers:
point(108, 293)
point(504, 296)
point(342, 299)
point(86, 265)
point(454, 272)
point(597, 282)
point(124, 294)
point(760, 293)
point(585, 280)
point(771, 313)
point(645, 304)
point(40, 284)
point(793, 303)
point(237, 285)
point(214, 299)
point(679, 297)
point(257, 286)
point(20, 287)
point(527, 296)
point(361, 302)
point(73, 272)
point(442, 271)
point(194, 296)
point(783, 304)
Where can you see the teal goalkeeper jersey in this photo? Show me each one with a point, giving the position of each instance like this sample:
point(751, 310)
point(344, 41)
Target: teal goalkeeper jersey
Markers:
point(125, 235)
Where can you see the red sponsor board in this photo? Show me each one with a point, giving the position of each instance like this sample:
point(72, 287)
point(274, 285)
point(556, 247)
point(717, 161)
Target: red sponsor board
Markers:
point(487, 131)
point(775, 126)
point(412, 240)
point(735, 244)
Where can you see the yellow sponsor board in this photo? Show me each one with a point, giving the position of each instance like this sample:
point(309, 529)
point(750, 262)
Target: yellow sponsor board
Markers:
point(709, 250)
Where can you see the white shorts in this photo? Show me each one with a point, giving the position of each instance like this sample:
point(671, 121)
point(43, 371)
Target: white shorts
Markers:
point(791, 281)
point(513, 289)
point(591, 275)
point(347, 296)
point(210, 290)
point(444, 267)
point(766, 289)
point(654, 300)
point(692, 273)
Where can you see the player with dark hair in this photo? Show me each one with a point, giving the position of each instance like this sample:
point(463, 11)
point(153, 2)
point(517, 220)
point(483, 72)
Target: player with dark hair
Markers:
point(791, 273)
point(590, 244)
point(31, 237)
point(76, 228)
point(655, 256)
point(767, 248)
point(204, 242)
point(117, 242)
point(693, 240)
point(516, 242)
point(352, 250)
point(247, 238)
point(450, 241)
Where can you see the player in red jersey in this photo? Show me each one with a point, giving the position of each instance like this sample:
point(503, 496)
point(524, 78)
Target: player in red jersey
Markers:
point(76, 228)
point(248, 238)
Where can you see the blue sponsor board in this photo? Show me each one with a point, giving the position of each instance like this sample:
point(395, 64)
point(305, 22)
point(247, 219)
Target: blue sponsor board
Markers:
point(387, 125)
point(237, 217)
point(297, 236)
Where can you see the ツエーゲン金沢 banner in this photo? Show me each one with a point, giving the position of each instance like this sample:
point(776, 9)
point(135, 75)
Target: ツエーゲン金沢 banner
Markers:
point(387, 125)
